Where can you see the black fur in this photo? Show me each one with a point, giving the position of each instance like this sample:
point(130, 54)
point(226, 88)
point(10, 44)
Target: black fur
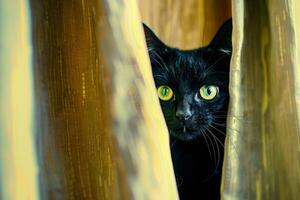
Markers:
point(196, 126)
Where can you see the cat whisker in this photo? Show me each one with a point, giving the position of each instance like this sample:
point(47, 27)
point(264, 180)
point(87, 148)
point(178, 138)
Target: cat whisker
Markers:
point(174, 142)
point(215, 161)
point(216, 142)
point(214, 64)
point(179, 183)
point(241, 117)
point(235, 117)
point(222, 132)
point(216, 136)
point(163, 67)
point(219, 124)
point(224, 135)
point(162, 64)
point(226, 114)
point(238, 118)
point(218, 159)
point(160, 76)
point(203, 133)
point(233, 131)
point(229, 135)
point(225, 73)
point(225, 126)
point(231, 143)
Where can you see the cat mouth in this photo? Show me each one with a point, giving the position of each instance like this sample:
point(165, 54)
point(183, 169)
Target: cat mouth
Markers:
point(185, 133)
point(185, 129)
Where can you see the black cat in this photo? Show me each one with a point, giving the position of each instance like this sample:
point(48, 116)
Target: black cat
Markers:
point(192, 86)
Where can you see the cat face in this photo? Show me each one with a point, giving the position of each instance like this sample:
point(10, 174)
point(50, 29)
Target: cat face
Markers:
point(192, 85)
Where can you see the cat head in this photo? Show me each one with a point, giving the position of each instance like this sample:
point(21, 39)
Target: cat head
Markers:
point(192, 85)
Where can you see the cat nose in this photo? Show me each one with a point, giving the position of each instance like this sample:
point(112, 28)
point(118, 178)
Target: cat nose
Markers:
point(183, 114)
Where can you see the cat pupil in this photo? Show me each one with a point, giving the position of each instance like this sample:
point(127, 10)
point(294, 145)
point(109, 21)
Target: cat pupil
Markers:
point(165, 91)
point(209, 91)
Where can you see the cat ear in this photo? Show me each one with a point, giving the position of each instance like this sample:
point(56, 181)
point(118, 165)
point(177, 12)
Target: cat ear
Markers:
point(222, 40)
point(152, 40)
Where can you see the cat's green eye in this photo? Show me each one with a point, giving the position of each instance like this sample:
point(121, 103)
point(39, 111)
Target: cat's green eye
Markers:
point(165, 93)
point(208, 92)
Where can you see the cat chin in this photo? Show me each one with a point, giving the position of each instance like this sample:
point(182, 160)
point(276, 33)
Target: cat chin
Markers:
point(188, 136)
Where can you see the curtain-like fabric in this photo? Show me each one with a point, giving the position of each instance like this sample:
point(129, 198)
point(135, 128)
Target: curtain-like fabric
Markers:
point(138, 124)
point(18, 163)
point(101, 134)
point(185, 24)
point(76, 156)
point(99, 130)
point(262, 148)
